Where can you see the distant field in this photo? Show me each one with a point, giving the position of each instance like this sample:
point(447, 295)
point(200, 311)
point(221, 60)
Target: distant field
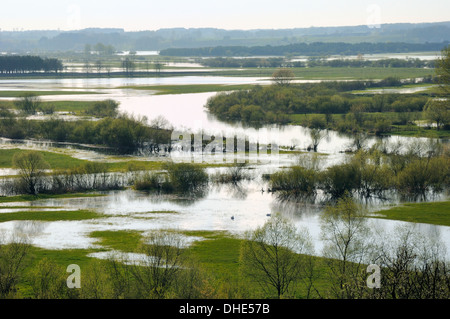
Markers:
point(331, 73)
point(76, 107)
point(49, 215)
point(313, 73)
point(56, 161)
point(191, 88)
point(43, 93)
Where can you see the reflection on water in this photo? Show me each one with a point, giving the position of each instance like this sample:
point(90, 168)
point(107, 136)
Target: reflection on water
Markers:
point(226, 207)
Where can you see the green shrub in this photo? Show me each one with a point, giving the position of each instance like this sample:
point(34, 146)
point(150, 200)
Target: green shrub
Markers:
point(187, 177)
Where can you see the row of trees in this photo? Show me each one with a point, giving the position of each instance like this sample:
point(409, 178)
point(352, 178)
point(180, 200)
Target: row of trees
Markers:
point(360, 63)
point(28, 64)
point(223, 62)
point(306, 49)
point(34, 178)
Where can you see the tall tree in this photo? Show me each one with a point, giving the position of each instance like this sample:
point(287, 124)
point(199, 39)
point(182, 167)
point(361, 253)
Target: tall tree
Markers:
point(270, 255)
point(443, 70)
point(283, 77)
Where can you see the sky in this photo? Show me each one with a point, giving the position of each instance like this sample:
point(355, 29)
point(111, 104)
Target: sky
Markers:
point(136, 15)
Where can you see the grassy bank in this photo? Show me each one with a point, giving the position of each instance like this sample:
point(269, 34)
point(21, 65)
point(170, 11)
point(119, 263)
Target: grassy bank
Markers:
point(55, 160)
point(191, 88)
point(436, 213)
point(49, 215)
point(76, 107)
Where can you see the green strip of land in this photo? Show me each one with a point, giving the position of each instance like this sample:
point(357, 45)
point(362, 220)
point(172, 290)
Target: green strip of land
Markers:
point(43, 93)
point(331, 73)
point(436, 213)
point(55, 160)
point(76, 107)
point(190, 88)
point(49, 215)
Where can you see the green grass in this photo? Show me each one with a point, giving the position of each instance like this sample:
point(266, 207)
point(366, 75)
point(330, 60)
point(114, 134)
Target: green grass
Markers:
point(76, 107)
point(331, 73)
point(126, 241)
point(43, 93)
point(436, 213)
point(404, 130)
point(55, 160)
point(49, 215)
point(218, 254)
point(191, 88)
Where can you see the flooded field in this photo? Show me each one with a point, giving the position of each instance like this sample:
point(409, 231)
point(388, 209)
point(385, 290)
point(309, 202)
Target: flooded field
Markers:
point(232, 208)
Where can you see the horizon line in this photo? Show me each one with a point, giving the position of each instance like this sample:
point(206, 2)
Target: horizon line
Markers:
point(215, 28)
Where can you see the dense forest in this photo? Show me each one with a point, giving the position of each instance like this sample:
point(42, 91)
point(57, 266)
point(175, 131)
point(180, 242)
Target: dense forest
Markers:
point(282, 103)
point(25, 64)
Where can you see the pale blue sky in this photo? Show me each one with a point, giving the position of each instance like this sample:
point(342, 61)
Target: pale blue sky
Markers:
point(133, 15)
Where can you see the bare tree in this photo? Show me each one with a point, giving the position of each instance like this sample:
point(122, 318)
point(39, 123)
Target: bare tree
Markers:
point(413, 266)
point(161, 263)
point(269, 255)
point(283, 77)
point(31, 167)
point(344, 231)
point(316, 137)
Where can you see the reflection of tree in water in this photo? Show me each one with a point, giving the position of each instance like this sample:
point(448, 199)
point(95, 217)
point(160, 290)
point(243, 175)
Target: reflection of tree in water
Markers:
point(235, 190)
point(188, 198)
point(295, 209)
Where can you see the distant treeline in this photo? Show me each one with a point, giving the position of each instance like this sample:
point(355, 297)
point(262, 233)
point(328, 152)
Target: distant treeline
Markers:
point(28, 63)
point(221, 62)
point(306, 49)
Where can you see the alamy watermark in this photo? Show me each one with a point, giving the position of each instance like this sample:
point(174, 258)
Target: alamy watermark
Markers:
point(74, 280)
point(374, 19)
point(374, 280)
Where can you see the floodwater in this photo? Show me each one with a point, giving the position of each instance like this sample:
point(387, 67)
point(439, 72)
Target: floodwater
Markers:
point(249, 203)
